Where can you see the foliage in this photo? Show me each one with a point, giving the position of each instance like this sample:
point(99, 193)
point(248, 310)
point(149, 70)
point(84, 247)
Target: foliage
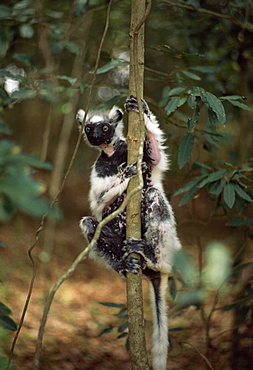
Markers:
point(5, 321)
point(217, 280)
point(17, 188)
point(121, 315)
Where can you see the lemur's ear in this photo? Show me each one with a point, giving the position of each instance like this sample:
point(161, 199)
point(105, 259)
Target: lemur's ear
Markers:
point(80, 116)
point(115, 115)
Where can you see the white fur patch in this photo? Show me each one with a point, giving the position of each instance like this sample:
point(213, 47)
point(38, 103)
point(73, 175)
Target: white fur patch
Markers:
point(96, 119)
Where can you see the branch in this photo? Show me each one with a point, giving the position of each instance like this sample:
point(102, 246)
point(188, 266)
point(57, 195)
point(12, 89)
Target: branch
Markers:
point(201, 354)
point(246, 25)
point(83, 255)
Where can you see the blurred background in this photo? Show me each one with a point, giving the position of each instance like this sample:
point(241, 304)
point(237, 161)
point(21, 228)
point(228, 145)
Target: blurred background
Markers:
point(199, 83)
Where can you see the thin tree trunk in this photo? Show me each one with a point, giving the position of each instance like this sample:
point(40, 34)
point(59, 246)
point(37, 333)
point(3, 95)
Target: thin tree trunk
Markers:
point(135, 140)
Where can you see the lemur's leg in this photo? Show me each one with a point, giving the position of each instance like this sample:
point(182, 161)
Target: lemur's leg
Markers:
point(159, 234)
point(109, 247)
point(154, 150)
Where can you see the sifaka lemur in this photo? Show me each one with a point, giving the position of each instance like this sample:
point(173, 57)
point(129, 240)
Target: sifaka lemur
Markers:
point(109, 179)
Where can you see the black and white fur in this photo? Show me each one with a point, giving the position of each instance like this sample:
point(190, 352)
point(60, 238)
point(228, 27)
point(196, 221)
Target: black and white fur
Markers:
point(109, 179)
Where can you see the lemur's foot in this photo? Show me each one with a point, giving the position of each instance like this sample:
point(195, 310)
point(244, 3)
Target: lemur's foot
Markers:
point(133, 245)
point(131, 264)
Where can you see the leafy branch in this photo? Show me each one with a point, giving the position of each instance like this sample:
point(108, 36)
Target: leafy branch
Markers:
point(245, 25)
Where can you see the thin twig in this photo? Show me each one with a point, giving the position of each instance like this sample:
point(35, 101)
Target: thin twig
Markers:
point(231, 329)
point(28, 298)
point(72, 268)
point(201, 354)
point(144, 18)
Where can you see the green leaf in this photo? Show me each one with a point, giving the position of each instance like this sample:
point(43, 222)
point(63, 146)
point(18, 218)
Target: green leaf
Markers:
point(112, 304)
point(123, 335)
point(217, 175)
point(4, 128)
point(240, 105)
point(6, 210)
point(189, 185)
point(71, 80)
point(23, 58)
point(121, 312)
point(5, 12)
point(188, 196)
point(172, 105)
point(123, 327)
point(191, 101)
point(7, 149)
point(111, 65)
point(4, 310)
point(185, 149)
point(198, 91)
point(242, 193)
point(7, 323)
point(184, 266)
point(191, 298)
point(232, 97)
point(192, 121)
point(173, 288)
point(22, 4)
point(26, 31)
point(56, 47)
point(106, 330)
point(33, 161)
point(229, 194)
point(74, 48)
point(27, 199)
point(210, 139)
point(216, 105)
point(83, 85)
point(191, 75)
point(176, 329)
point(4, 42)
point(216, 187)
point(206, 69)
point(217, 267)
point(24, 94)
point(239, 221)
point(176, 91)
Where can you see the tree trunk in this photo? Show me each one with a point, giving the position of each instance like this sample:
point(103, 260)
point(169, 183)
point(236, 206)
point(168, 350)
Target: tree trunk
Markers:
point(135, 140)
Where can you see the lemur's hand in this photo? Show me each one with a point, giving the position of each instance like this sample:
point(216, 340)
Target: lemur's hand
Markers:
point(132, 104)
point(131, 169)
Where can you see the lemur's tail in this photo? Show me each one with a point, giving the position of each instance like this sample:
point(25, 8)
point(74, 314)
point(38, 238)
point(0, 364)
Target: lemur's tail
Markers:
point(158, 287)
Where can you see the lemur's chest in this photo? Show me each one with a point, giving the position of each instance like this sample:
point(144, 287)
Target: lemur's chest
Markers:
point(108, 165)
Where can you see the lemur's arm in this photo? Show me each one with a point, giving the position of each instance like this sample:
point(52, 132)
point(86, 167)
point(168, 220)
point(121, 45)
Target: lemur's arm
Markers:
point(105, 190)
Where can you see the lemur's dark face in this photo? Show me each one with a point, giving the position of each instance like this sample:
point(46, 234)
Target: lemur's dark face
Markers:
point(99, 133)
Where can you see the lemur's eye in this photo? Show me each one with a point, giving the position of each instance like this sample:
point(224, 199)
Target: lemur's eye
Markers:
point(105, 128)
point(87, 129)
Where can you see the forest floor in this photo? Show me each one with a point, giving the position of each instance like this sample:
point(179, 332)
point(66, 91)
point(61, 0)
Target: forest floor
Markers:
point(72, 338)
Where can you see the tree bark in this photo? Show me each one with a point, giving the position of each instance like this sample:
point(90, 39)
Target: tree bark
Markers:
point(135, 140)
